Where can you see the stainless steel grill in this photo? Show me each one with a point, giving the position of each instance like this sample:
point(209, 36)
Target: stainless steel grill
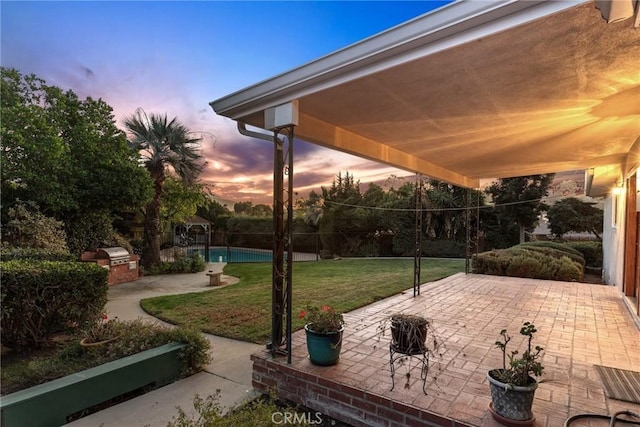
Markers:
point(116, 255)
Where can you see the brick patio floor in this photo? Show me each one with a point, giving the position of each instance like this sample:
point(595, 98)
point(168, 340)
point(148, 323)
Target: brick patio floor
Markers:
point(578, 324)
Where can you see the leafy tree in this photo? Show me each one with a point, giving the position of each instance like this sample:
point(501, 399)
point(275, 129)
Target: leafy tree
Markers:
point(342, 219)
point(446, 217)
point(214, 212)
point(443, 213)
point(89, 232)
point(214, 209)
point(64, 153)
point(350, 221)
point(373, 198)
point(312, 209)
point(341, 200)
point(180, 201)
point(572, 214)
point(166, 148)
point(262, 210)
point(243, 208)
point(518, 206)
point(400, 218)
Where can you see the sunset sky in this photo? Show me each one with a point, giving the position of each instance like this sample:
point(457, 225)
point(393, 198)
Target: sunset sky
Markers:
point(176, 57)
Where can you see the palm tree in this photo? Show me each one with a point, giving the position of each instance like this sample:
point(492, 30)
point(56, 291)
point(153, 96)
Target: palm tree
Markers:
point(166, 147)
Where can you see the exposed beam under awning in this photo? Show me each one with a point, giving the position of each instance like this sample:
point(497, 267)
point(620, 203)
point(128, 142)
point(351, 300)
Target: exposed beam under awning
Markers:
point(314, 130)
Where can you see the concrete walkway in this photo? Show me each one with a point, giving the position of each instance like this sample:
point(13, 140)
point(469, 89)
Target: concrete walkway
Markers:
point(230, 370)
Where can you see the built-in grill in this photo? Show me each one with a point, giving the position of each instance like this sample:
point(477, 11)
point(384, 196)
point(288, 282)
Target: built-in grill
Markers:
point(116, 255)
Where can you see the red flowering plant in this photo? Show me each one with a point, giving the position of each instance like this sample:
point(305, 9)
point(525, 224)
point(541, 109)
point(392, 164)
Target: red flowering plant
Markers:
point(323, 319)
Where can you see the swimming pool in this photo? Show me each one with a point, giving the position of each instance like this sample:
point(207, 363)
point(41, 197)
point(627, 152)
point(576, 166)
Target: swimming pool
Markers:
point(235, 254)
point(230, 254)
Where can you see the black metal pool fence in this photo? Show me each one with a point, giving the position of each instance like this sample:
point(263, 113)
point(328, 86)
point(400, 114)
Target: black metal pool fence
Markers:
point(257, 247)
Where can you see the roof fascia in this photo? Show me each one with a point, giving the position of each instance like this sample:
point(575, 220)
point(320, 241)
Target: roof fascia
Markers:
point(438, 30)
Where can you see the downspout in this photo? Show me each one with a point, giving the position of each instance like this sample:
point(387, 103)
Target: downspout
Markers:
point(280, 282)
point(242, 128)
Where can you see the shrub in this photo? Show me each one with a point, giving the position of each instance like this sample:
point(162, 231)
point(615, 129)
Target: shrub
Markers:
point(530, 262)
point(444, 249)
point(28, 227)
point(265, 410)
point(191, 263)
point(119, 240)
point(591, 251)
point(554, 245)
point(40, 298)
point(552, 252)
point(89, 232)
point(493, 262)
point(137, 246)
point(250, 232)
point(137, 335)
point(568, 271)
point(523, 266)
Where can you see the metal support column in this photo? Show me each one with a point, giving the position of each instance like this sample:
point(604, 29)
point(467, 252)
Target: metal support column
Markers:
point(467, 253)
point(282, 242)
point(473, 236)
point(477, 237)
point(418, 248)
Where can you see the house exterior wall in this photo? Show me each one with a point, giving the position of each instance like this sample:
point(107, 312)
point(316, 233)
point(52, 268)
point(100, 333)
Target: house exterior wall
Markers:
point(613, 240)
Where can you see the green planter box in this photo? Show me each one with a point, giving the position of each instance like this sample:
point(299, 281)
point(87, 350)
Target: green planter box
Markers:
point(49, 404)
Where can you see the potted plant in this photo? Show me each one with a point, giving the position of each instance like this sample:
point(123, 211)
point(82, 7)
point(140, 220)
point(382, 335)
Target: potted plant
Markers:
point(514, 385)
point(408, 333)
point(324, 327)
point(412, 336)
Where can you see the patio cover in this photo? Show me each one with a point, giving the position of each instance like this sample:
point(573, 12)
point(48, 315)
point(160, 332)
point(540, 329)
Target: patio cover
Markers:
point(475, 90)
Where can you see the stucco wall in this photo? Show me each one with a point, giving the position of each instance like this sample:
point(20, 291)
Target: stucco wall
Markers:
point(613, 241)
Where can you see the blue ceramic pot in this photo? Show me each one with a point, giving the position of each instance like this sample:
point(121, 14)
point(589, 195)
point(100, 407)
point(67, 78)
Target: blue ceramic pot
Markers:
point(324, 348)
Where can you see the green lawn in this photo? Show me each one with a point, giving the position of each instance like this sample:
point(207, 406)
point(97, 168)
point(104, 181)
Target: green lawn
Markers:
point(243, 311)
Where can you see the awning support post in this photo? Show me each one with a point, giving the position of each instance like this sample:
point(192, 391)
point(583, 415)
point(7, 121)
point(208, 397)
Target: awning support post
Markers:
point(467, 253)
point(472, 245)
point(282, 242)
point(418, 247)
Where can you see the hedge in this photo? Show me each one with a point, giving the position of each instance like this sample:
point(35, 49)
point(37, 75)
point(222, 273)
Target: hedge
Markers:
point(591, 251)
point(9, 253)
point(191, 263)
point(535, 263)
point(553, 252)
point(41, 298)
point(444, 249)
point(563, 247)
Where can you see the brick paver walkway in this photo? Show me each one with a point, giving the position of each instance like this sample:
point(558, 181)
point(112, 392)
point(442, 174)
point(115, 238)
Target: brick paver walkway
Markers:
point(579, 325)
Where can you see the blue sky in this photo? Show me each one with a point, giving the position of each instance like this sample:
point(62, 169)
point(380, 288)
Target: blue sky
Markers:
point(176, 57)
